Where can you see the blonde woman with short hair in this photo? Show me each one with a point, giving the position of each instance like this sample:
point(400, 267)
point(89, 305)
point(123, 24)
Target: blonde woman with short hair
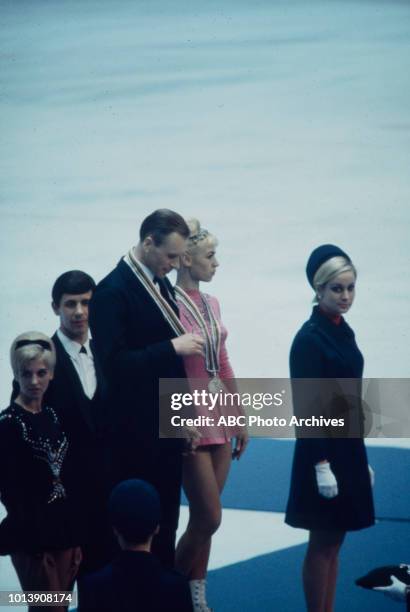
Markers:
point(39, 531)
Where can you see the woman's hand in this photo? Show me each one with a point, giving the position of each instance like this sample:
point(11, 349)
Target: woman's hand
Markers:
point(326, 480)
point(192, 437)
point(241, 441)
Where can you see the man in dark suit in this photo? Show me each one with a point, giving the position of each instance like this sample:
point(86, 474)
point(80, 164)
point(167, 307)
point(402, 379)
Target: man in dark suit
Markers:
point(135, 580)
point(138, 337)
point(76, 395)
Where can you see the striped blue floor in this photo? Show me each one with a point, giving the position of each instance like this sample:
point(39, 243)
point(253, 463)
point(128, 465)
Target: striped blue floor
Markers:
point(272, 581)
point(260, 481)
point(256, 558)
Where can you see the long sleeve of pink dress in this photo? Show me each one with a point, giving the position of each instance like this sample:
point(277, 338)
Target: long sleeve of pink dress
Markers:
point(195, 364)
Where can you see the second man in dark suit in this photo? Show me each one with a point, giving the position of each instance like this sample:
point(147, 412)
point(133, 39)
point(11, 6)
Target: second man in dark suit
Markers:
point(76, 396)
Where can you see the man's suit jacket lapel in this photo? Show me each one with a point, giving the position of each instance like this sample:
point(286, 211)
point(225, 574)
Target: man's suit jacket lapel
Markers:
point(135, 286)
point(71, 380)
point(98, 372)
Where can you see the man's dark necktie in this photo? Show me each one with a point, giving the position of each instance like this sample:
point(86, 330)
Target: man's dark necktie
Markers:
point(166, 294)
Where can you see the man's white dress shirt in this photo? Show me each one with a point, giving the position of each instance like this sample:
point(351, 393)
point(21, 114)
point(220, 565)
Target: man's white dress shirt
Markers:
point(83, 362)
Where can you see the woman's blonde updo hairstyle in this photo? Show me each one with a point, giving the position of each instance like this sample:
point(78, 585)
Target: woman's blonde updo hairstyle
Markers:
point(31, 345)
point(197, 235)
point(329, 270)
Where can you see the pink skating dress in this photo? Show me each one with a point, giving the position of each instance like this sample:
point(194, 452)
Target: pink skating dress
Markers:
point(195, 365)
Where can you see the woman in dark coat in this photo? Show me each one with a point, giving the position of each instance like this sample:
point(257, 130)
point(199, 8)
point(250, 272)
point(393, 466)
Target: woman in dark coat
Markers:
point(40, 530)
point(331, 482)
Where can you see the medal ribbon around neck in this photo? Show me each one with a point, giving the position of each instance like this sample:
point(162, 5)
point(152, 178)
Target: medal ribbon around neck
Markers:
point(166, 310)
point(212, 335)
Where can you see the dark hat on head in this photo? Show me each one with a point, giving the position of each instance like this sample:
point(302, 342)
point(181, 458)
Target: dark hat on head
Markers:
point(134, 510)
point(319, 256)
point(380, 576)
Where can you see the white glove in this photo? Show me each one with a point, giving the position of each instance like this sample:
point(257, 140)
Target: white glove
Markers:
point(396, 590)
point(372, 475)
point(326, 480)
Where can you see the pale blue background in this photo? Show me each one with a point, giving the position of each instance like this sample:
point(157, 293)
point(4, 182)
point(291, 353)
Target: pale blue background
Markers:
point(280, 124)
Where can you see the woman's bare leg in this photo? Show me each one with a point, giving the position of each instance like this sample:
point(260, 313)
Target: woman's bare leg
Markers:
point(221, 461)
point(332, 580)
point(68, 563)
point(320, 569)
point(204, 477)
point(47, 571)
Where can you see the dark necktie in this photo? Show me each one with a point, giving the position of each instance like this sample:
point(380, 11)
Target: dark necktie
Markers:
point(83, 350)
point(166, 294)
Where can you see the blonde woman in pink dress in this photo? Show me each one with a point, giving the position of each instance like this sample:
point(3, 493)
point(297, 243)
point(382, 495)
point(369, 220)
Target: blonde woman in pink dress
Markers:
point(205, 471)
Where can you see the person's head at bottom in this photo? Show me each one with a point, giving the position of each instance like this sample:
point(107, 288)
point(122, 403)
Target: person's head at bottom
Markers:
point(135, 512)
